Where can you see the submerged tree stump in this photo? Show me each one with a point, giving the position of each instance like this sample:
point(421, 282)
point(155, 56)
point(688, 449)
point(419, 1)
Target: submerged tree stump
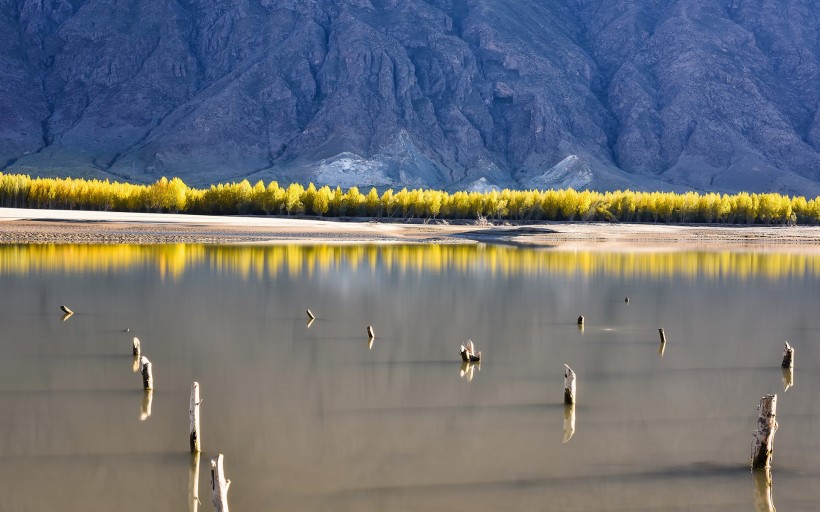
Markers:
point(569, 385)
point(147, 373)
point(788, 356)
point(219, 484)
point(763, 443)
point(135, 346)
point(193, 410)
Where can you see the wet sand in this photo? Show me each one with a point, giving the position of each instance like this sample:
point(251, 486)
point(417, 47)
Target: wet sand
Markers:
point(63, 226)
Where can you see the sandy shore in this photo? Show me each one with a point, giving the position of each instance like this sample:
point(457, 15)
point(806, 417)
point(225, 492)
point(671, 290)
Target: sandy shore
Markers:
point(62, 226)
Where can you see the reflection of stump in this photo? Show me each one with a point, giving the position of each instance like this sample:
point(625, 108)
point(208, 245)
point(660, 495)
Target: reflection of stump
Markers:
point(66, 316)
point(788, 356)
point(569, 421)
point(763, 490)
point(468, 369)
point(309, 322)
point(193, 413)
point(145, 409)
point(193, 483)
point(788, 378)
point(147, 373)
point(219, 484)
point(763, 443)
point(569, 385)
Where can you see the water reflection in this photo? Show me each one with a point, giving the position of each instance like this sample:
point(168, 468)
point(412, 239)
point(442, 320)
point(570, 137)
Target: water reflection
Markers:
point(569, 421)
point(174, 260)
point(193, 483)
point(468, 369)
point(788, 378)
point(145, 407)
point(763, 490)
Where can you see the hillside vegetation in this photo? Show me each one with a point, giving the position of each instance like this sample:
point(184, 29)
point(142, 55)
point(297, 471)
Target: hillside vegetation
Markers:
point(22, 191)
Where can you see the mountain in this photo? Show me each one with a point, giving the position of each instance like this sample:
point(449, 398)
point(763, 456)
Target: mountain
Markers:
point(647, 94)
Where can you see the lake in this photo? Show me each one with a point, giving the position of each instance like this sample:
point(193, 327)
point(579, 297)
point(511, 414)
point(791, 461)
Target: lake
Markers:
point(318, 418)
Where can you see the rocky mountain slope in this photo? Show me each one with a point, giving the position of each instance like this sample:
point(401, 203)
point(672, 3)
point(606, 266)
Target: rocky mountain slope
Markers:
point(649, 94)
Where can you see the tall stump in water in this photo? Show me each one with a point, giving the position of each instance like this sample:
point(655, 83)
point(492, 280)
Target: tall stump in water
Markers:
point(788, 356)
point(569, 385)
point(193, 410)
point(219, 484)
point(147, 373)
point(763, 443)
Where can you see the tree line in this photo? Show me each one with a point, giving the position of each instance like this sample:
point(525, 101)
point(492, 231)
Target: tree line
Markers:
point(242, 198)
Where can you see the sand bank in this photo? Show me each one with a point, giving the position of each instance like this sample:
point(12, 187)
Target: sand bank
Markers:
point(64, 226)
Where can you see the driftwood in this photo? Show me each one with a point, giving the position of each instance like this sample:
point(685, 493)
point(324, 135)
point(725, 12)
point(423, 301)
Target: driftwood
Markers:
point(569, 385)
point(310, 315)
point(468, 353)
point(219, 484)
point(370, 332)
point(193, 411)
point(763, 443)
point(66, 310)
point(788, 356)
point(147, 373)
point(147, 399)
point(193, 483)
point(135, 346)
point(763, 491)
point(569, 421)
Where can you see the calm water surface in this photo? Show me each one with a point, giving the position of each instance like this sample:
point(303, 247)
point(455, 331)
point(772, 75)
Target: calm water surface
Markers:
point(315, 419)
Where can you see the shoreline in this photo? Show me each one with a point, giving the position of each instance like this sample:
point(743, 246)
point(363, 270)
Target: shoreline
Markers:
point(28, 226)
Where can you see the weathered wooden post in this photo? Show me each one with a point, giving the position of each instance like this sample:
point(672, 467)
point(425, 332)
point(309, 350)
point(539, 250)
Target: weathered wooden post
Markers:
point(763, 443)
point(310, 315)
point(66, 310)
point(370, 332)
point(135, 346)
point(788, 356)
point(147, 399)
point(147, 374)
point(788, 378)
point(569, 421)
point(763, 491)
point(193, 483)
point(219, 484)
point(569, 385)
point(193, 410)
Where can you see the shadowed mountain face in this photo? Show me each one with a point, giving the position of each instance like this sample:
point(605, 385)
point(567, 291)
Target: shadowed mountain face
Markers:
point(649, 94)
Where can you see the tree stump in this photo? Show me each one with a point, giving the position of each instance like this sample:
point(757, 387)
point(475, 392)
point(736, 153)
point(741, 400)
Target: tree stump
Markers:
point(569, 385)
point(663, 335)
point(788, 356)
point(763, 443)
point(147, 373)
point(66, 310)
point(135, 346)
point(193, 411)
point(581, 320)
point(219, 484)
point(310, 315)
point(370, 332)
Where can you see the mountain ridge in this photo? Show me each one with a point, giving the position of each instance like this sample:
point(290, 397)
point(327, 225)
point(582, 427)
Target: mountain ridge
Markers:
point(651, 95)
